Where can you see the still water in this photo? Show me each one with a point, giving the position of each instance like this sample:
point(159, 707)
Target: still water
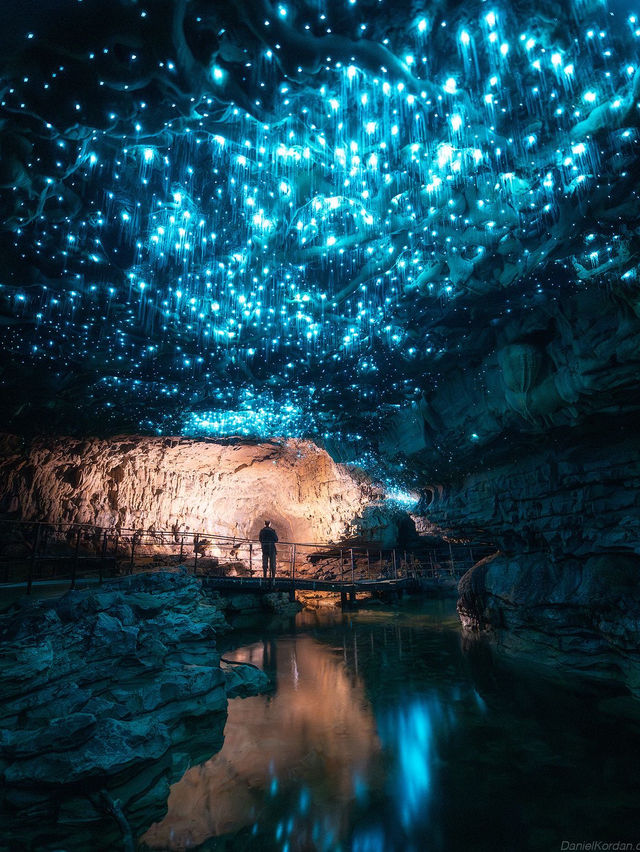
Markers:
point(385, 731)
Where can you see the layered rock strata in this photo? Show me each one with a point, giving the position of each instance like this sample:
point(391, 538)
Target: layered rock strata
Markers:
point(225, 487)
point(566, 584)
point(578, 614)
point(108, 697)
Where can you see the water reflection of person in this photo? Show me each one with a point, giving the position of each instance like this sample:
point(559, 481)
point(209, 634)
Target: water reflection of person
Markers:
point(268, 537)
point(269, 657)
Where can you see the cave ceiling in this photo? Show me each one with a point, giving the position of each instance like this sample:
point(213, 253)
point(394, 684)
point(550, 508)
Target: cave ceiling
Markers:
point(263, 218)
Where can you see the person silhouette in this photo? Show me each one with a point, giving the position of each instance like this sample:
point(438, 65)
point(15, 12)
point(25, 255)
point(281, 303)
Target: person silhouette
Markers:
point(268, 538)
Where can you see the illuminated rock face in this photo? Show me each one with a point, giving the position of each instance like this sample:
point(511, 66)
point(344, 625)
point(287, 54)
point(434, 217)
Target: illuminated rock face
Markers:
point(226, 487)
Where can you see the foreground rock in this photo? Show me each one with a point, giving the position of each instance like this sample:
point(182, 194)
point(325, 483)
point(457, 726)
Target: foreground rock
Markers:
point(108, 696)
point(582, 615)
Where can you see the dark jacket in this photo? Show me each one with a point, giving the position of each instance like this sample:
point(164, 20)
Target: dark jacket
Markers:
point(268, 538)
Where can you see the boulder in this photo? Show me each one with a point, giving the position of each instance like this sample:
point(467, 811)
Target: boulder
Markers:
point(243, 679)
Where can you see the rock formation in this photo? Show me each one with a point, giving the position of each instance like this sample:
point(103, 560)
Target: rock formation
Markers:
point(579, 614)
point(108, 696)
point(526, 436)
point(224, 487)
point(565, 586)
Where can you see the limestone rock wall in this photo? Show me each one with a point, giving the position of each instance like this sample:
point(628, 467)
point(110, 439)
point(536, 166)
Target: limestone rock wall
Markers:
point(226, 487)
point(565, 587)
point(556, 371)
point(526, 435)
point(557, 501)
point(582, 614)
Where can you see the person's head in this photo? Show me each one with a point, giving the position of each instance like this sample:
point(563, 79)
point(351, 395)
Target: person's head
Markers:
point(267, 523)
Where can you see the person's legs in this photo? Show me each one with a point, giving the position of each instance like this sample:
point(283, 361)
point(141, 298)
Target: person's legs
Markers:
point(265, 563)
point(272, 559)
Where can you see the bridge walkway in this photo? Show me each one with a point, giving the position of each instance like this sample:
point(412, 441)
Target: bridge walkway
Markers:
point(34, 552)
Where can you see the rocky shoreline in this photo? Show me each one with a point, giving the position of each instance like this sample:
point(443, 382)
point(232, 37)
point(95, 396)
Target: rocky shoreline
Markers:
point(108, 697)
point(578, 615)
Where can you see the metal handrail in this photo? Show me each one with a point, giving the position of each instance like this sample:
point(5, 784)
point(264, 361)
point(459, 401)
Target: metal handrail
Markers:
point(137, 530)
point(339, 561)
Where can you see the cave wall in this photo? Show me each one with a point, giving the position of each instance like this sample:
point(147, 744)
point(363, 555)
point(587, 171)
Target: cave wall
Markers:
point(555, 500)
point(527, 437)
point(565, 586)
point(226, 488)
point(556, 369)
point(581, 614)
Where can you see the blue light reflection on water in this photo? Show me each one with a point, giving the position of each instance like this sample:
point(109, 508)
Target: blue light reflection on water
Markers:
point(390, 739)
point(369, 840)
point(408, 732)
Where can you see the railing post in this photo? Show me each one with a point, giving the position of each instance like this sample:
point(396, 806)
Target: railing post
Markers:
point(341, 565)
point(104, 555)
point(75, 558)
point(251, 559)
point(451, 565)
point(195, 553)
point(292, 593)
point(34, 556)
point(116, 540)
point(181, 547)
point(353, 579)
point(133, 548)
point(368, 565)
point(395, 564)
